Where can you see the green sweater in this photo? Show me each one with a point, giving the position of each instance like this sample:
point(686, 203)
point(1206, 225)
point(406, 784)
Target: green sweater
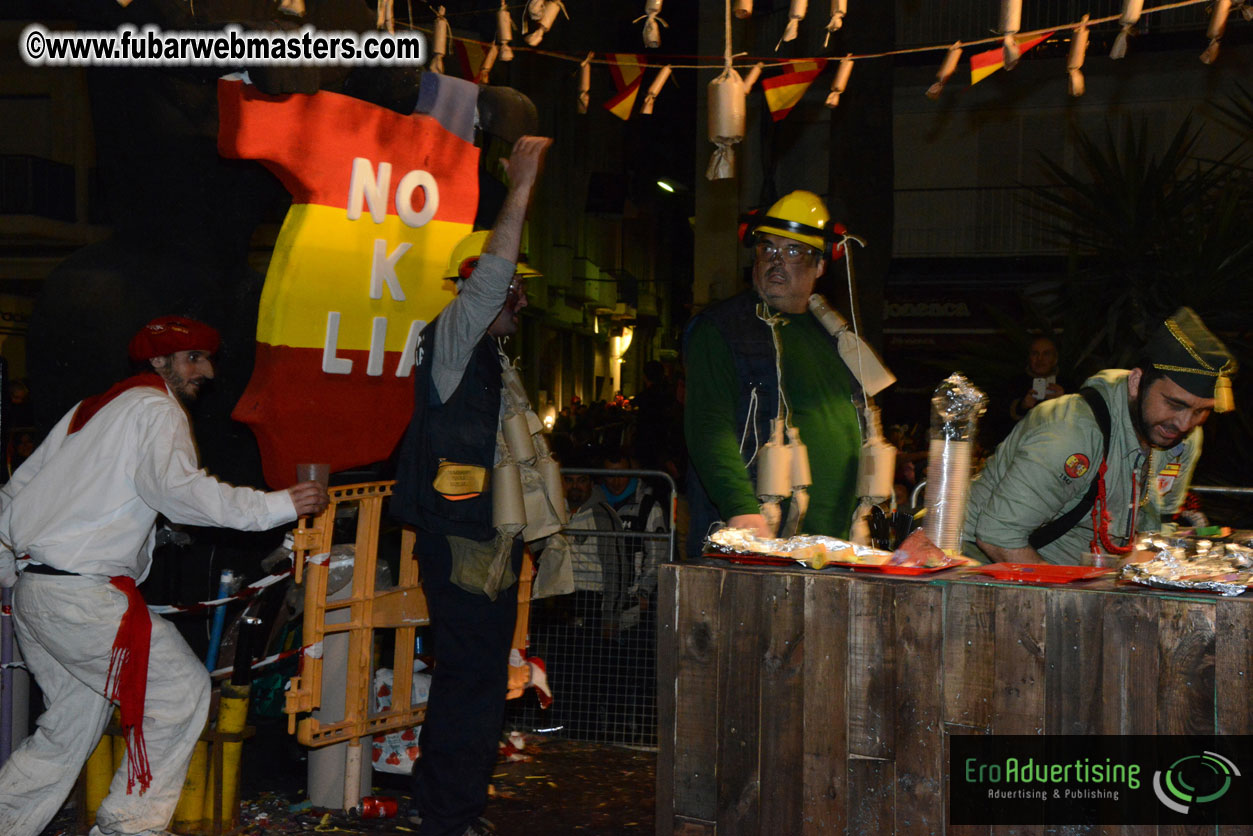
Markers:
point(819, 390)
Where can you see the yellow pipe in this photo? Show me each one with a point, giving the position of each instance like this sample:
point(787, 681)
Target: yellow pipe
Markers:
point(232, 718)
point(98, 774)
point(189, 814)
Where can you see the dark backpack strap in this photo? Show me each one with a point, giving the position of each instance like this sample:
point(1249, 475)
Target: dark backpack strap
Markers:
point(1050, 531)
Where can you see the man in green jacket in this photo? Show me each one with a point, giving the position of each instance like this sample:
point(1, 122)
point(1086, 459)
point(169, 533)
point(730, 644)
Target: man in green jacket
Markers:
point(736, 379)
point(1050, 466)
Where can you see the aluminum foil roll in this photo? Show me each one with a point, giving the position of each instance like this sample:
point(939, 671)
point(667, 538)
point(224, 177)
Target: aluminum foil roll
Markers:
point(956, 407)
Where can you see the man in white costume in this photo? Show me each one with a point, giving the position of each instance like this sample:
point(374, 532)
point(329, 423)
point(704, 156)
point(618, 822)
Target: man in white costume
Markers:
point(77, 527)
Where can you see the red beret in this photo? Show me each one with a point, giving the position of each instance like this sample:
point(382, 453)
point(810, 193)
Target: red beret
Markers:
point(168, 334)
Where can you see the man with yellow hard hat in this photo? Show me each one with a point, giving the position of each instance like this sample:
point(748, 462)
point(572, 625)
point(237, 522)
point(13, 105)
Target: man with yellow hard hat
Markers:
point(1120, 452)
point(762, 354)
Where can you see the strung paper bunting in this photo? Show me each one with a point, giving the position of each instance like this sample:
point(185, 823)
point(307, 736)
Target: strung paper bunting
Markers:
point(489, 60)
point(795, 14)
point(839, 8)
point(785, 90)
point(439, 41)
point(627, 73)
point(654, 89)
point(1074, 61)
point(983, 64)
point(1011, 22)
point(585, 82)
point(545, 21)
point(840, 81)
point(504, 31)
point(750, 78)
point(1217, 23)
point(1129, 18)
point(947, 68)
point(727, 120)
point(652, 33)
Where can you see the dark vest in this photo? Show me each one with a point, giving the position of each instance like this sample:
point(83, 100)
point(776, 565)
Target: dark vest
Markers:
point(752, 350)
point(462, 430)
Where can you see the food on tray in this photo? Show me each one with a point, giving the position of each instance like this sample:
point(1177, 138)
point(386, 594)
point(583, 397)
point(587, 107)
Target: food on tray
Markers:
point(815, 551)
point(1193, 563)
point(918, 550)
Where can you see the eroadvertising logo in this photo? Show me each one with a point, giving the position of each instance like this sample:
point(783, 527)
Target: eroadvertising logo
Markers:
point(1210, 773)
point(1099, 779)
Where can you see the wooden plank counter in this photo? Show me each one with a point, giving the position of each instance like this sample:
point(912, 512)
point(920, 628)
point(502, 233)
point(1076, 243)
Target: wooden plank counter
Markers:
point(802, 702)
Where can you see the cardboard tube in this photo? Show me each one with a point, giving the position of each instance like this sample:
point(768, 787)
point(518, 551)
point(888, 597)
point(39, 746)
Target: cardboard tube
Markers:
point(518, 437)
point(508, 507)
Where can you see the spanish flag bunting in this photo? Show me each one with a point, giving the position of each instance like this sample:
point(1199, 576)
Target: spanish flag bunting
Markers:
point(628, 74)
point(470, 56)
point(783, 91)
point(622, 104)
point(983, 64)
point(626, 70)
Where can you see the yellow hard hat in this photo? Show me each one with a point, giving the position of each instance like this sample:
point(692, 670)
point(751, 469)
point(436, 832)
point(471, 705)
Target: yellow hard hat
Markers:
point(801, 216)
point(466, 255)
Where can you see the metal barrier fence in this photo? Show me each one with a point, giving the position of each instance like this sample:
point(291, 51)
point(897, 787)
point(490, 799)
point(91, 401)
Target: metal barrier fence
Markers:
point(599, 642)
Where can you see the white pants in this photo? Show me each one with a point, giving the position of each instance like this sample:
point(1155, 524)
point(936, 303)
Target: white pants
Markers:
point(66, 626)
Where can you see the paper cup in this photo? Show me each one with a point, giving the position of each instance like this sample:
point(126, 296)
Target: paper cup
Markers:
point(320, 473)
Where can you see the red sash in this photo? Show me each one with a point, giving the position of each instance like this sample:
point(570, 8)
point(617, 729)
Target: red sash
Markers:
point(90, 406)
point(127, 680)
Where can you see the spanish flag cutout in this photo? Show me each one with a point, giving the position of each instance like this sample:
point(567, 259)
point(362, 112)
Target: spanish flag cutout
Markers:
point(379, 199)
point(628, 74)
point(784, 91)
point(983, 64)
point(470, 57)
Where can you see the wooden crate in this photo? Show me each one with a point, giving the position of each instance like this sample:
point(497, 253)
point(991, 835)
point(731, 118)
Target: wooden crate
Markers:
point(797, 702)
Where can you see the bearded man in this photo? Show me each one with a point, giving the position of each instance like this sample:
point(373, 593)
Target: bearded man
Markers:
point(1121, 452)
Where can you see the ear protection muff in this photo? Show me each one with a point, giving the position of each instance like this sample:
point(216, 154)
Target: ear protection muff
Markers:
point(831, 250)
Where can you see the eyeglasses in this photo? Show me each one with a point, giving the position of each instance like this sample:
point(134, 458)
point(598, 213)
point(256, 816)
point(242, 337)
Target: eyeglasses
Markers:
point(790, 253)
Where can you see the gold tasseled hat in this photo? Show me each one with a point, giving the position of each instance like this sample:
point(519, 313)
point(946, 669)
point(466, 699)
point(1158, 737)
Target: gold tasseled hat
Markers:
point(1193, 357)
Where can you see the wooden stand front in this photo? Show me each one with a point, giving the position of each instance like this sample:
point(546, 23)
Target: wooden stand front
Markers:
point(795, 702)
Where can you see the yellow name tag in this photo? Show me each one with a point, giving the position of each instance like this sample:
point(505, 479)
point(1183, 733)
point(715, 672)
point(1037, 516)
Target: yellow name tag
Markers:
point(460, 481)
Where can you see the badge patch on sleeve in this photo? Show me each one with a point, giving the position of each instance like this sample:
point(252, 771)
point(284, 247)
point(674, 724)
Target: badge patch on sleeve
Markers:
point(1166, 479)
point(1076, 465)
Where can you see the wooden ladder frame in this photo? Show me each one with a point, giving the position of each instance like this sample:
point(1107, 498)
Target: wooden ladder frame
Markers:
point(401, 608)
